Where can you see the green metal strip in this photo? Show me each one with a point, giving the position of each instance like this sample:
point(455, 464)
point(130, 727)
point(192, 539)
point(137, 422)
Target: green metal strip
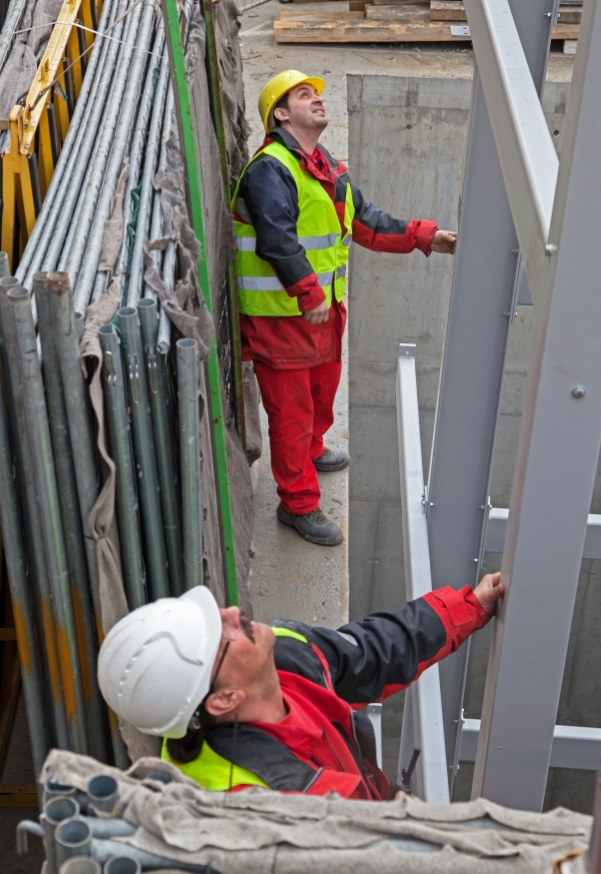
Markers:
point(188, 145)
point(217, 102)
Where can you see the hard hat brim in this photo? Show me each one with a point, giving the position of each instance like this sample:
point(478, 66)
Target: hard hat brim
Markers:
point(203, 598)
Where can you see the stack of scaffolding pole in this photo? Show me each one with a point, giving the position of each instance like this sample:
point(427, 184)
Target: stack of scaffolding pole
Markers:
point(49, 471)
point(49, 459)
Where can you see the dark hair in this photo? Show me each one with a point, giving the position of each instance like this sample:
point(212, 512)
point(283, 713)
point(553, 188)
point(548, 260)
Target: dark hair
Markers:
point(281, 104)
point(187, 748)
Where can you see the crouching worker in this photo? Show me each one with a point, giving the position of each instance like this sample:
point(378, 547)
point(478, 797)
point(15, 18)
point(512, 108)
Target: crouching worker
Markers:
point(241, 704)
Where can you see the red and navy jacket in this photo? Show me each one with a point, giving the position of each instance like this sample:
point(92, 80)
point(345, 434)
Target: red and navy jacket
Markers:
point(325, 743)
point(270, 196)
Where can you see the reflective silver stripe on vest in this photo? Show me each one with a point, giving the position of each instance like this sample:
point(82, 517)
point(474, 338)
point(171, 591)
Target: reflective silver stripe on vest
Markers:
point(347, 240)
point(246, 244)
point(272, 283)
point(341, 272)
point(325, 241)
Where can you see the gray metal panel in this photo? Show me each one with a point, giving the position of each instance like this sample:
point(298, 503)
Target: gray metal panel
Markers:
point(395, 297)
point(427, 707)
point(497, 526)
point(574, 746)
point(474, 355)
point(555, 468)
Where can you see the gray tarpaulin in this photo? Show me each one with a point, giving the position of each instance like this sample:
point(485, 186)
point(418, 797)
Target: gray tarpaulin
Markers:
point(20, 67)
point(263, 832)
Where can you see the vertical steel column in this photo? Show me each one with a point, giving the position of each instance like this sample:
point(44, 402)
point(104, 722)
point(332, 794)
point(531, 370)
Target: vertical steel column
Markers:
point(480, 312)
point(185, 122)
point(428, 733)
point(557, 457)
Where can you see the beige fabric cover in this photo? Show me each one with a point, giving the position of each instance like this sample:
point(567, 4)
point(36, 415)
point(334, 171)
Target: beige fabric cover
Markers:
point(263, 832)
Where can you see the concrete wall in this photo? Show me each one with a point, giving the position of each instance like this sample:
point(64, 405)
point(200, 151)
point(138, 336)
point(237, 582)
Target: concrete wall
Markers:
point(407, 141)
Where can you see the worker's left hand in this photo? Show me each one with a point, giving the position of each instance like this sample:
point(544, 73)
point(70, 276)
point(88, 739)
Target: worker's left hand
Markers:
point(318, 314)
point(488, 591)
point(444, 242)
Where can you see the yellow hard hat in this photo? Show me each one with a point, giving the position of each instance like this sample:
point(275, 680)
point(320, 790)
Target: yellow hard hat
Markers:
point(280, 85)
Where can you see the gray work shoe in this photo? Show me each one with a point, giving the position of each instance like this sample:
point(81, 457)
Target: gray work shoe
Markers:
point(332, 459)
point(313, 526)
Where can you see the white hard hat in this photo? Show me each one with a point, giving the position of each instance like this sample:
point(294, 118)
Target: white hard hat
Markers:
point(154, 667)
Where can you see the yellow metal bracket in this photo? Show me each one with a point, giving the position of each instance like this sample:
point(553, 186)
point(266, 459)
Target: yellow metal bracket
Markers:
point(39, 126)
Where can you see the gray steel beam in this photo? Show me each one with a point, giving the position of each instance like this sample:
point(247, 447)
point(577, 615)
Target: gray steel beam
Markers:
point(557, 456)
point(482, 297)
point(497, 526)
point(525, 148)
point(428, 730)
point(574, 746)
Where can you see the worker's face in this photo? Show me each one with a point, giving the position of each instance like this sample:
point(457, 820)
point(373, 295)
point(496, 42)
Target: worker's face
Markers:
point(248, 667)
point(305, 110)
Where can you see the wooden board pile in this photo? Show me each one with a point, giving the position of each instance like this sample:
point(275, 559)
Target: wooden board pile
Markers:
point(392, 21)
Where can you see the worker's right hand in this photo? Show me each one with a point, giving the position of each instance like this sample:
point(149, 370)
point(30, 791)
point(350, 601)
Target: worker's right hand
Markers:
point(318, 315)
point(488, 591)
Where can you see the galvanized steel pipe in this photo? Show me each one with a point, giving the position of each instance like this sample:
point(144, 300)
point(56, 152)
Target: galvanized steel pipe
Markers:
point(35, 528)
point(113, 161)
point(144, 452)
point(63, 453)
point(37, 244)
point(47, 494)
point(187, 392)
point(16, 565)
point(163, 415)
point(126, 497)
point(135, 282)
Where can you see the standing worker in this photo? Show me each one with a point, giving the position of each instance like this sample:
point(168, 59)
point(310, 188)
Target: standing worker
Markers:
point(242, 704)
point(296, 212)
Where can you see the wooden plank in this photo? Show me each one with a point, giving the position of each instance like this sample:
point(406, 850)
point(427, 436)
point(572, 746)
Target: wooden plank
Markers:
point(569, 14)
point(565, 31)
point(19, 799)
point(318, 31)
point(297, 15)
point(358, 5)
point(447, 10)
point(398, 13)
point(426, 3)
point(17, 788)
point(337, 30)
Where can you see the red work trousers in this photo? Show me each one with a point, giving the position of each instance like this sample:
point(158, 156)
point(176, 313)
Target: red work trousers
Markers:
point(300, 409)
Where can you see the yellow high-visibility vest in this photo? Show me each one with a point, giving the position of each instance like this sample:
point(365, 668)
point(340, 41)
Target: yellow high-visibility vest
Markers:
point(319, 232)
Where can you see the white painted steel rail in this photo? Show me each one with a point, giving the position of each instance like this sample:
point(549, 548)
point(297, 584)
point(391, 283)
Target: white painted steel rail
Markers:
point(528, 158)
point(428, 732)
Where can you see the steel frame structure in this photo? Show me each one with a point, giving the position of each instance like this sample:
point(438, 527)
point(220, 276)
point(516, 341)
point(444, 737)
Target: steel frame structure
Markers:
point(520, 208)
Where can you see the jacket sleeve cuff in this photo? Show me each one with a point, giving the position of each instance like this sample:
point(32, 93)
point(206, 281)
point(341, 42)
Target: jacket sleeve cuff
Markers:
point(308, 292)
point(424, 234)
point(460, 613)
